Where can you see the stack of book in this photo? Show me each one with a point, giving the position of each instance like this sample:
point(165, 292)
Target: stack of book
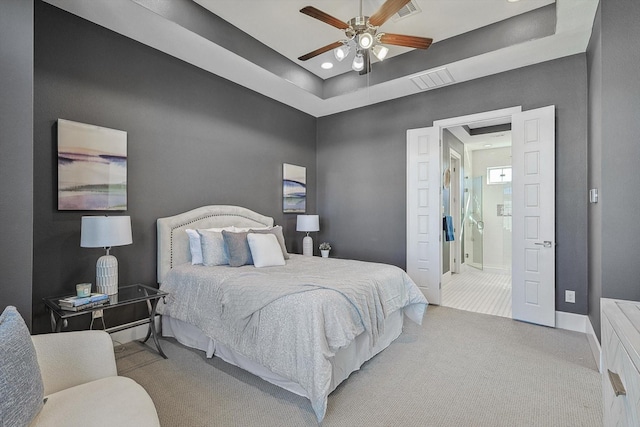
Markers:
point(82, 303)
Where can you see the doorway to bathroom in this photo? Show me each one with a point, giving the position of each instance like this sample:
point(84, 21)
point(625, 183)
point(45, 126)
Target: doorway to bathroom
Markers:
point(477, 272)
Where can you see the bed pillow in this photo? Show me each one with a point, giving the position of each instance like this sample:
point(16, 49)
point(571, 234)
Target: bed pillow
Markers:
point(195, 245)
point(237, 248)
point(277, 231)
point(21, 384)
point(242, 229)
point(214, 251)
point(265, 250)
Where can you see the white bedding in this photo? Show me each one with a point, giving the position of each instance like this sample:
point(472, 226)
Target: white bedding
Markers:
point(295, 333)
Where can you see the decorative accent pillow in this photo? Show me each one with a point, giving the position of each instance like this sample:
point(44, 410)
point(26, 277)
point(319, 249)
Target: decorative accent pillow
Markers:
point(265, 250)
point(213, 248)
point(195, 246)
point(277, 231)
point(21, 384)
point(237, 248)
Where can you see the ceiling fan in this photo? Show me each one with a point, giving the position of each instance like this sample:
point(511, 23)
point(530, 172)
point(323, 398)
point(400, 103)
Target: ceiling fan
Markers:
point(362, 32)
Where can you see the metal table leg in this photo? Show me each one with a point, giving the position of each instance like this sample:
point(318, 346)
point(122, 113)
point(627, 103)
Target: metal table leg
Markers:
point(151, 305)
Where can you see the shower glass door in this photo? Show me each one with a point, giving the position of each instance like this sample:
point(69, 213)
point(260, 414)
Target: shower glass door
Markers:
point(475, 223)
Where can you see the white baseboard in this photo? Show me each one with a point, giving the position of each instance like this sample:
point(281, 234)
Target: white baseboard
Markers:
point(572, 321)
point(581, 323)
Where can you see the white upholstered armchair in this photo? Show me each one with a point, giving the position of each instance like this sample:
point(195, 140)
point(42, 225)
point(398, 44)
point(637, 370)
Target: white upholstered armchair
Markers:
point(65, 379)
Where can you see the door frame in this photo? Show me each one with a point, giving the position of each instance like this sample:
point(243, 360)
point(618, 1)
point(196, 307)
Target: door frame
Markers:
point(440, 125)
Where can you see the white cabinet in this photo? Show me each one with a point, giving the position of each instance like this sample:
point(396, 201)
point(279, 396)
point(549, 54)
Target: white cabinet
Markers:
point(621, 362)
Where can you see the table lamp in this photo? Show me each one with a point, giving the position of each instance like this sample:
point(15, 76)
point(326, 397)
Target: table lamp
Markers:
point(106, 232)
point(307, 223)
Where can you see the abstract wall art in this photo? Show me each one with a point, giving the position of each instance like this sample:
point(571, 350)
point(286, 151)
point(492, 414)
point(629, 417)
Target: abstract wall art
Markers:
point(294, 188)
point(92, 167)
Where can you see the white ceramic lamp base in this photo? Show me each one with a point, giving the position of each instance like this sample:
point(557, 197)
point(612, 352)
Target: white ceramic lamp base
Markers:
point(107, 275)
point(307, 246)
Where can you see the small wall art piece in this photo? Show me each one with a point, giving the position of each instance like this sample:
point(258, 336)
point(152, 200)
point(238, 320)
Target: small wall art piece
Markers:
point(92, 167)
point(294, 188)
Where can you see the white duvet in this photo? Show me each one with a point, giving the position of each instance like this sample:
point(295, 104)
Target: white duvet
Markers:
point(292, 319)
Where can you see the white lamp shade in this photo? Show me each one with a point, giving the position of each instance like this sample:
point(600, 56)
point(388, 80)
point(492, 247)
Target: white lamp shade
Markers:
point(358, 62)
point(105, 231)
point(380, 51)
point(341, 52)
point(308, 223)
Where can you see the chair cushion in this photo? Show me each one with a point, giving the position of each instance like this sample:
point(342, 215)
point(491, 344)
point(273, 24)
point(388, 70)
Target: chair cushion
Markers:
point(21, 384)
point(108, 402)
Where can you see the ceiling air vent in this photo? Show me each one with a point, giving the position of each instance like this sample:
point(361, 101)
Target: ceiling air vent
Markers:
point(433, 78)
point(409, 9)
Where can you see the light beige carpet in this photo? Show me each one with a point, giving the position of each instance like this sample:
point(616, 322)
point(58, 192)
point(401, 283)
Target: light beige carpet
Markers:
point(458, 369)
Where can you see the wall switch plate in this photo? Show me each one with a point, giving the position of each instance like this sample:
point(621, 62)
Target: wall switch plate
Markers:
point(570, 296)
point(593, 195)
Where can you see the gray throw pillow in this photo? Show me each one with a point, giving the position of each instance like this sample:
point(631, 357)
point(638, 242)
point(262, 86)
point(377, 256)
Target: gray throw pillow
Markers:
point(214, 251)
point(237, 248)
point(277, 231)
point(21, 384)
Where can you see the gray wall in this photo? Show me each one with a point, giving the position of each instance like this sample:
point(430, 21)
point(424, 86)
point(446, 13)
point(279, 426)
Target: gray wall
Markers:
point(615, 149)
point(361, 158)
point(16, 161)
point(193, 139)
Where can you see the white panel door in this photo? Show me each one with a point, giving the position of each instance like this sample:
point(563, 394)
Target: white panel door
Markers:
point(424, 217)
point(533, 280)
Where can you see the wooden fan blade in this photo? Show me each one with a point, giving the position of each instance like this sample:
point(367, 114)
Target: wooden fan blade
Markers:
point(406, 41)
point(319, 51)
point(386, 11)
point(324, 17)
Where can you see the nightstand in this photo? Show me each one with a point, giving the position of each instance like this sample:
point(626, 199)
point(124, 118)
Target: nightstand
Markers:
point(126, 295)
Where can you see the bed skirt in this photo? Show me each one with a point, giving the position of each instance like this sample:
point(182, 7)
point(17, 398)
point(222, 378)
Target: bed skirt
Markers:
point(346, 360)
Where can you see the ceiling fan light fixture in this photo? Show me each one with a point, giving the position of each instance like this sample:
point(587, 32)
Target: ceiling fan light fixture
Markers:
point(365, 40)
point(358, 62)
point(341, 52)
point(380, 52)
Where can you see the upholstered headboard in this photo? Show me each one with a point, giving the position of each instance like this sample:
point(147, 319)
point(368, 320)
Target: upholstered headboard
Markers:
point(173, 242)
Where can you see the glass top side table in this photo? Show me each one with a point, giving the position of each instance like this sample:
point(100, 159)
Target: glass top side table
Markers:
point(126, 295)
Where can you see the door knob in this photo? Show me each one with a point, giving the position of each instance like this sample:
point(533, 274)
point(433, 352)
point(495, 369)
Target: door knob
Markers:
point(546, 244)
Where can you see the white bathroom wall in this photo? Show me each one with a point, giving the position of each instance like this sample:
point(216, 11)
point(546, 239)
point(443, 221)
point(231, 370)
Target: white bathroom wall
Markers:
point(497, 229)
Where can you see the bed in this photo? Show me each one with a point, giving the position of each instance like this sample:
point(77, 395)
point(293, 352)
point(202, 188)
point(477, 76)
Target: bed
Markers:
point(304, 325)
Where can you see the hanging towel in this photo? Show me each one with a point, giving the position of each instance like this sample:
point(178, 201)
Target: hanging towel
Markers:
point(447, 226)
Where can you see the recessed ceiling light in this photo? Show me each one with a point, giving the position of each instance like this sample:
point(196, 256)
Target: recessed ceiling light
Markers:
point(327, 65)
point(513, 1)
point(487, 145)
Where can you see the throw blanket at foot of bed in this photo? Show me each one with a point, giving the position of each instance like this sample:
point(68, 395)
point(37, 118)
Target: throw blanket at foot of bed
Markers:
point(292, 319)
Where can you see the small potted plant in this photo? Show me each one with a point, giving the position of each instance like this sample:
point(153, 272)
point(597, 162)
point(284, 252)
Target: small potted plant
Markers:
point(325, 247)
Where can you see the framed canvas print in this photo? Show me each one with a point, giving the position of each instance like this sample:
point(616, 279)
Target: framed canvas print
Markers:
point(294, 188)
point(92, 167)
